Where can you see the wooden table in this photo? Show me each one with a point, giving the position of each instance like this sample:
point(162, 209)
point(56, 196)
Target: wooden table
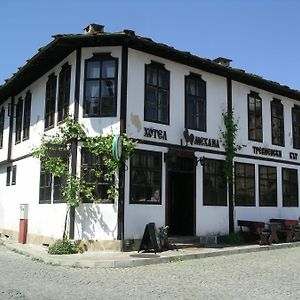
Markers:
point(273, 226)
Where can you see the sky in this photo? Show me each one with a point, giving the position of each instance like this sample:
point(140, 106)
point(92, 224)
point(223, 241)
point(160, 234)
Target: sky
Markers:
point(260, 36)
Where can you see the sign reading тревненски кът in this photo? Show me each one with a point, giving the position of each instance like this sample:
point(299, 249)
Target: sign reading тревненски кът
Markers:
point(267, 151)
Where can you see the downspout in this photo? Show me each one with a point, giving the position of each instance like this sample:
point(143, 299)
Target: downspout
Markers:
point(74, 144)
point(123, 113)
point(230, 184)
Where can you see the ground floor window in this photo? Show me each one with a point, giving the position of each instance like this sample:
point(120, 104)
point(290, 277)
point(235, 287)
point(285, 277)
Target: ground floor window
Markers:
point(50, 188)
point(145, 177)
point(90, 167)
point(290, 187)
point(214, 183)
point(244, 184)
point(267, 186)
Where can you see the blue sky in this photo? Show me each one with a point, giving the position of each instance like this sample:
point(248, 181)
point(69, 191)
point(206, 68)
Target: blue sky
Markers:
point(260, 36)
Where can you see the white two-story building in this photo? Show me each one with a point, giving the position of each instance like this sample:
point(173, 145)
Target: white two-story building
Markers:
point(171, 102)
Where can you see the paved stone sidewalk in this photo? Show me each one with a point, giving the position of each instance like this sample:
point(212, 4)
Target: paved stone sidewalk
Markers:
point(265, 275)
point(107, 259)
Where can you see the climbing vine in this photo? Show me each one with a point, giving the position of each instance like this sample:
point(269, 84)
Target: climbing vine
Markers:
point(54, 154)
point(228, 139)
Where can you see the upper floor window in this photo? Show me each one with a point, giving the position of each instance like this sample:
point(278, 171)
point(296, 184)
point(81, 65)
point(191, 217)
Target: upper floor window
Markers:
point(255, 117)
point(157, 93)
point(19, 115)
point(63, 92)
point(277, 123)
point(50, 101)
point(195, 103)
point(2, 116)
point(27, 113)
point(100, 93)
point(267, 186)
point(296, 126)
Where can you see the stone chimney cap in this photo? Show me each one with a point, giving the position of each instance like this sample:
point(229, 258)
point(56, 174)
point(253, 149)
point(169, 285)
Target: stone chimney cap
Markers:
point(93, 28)
point(223, 61)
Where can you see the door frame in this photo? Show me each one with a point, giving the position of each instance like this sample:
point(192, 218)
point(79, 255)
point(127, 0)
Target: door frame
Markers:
point(173, 154)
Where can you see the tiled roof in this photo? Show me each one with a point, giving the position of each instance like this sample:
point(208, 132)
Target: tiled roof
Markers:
point(63, 44)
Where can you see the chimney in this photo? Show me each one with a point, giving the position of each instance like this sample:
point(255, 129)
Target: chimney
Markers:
point(225, 62)
point(93, 29)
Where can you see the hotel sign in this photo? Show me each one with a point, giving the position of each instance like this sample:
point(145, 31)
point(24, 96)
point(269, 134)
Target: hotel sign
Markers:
point(155, 133)
point(199, 140)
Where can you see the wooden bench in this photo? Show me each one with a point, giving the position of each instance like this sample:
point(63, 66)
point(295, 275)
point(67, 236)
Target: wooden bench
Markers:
point(255, 228)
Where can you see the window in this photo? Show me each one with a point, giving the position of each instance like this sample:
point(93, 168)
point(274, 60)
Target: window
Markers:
point(50, 188)
point(267, 186)
point(290, 187)
point(14, 175)
point(195, 103)
point(255, 117)
point(50, 101)
point(157, 93)
point(2, 116)
point(90, 163)
point(296, 126)
point(145, 177)
point(27, 112)
point(8, 170)
point(214, 184)
point(63, 92)
point(277, 123)
point(100, 95)
point(244, 184)
point(19, 114)
point(45, 187)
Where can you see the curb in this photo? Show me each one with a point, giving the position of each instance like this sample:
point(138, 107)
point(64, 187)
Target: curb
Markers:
point(134, 262)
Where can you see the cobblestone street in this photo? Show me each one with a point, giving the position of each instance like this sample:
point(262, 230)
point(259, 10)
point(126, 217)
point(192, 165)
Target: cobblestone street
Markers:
point(264, 275)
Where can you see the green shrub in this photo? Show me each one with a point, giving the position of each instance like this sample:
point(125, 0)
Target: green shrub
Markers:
point(234, 239)
point(64, 246)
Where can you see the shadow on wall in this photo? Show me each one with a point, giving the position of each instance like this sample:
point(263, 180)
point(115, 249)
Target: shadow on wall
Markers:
point(90, 222)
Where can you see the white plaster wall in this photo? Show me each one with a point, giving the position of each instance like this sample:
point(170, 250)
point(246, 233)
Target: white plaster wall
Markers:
point(3, 151)
point(240, 105)
point(210, 220)
point(138, 215)
point(38, 90)
point(43, 219)
point(216, 99)
point(261, 213)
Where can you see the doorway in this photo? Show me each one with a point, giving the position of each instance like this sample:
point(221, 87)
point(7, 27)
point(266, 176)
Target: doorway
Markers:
point(181, 196)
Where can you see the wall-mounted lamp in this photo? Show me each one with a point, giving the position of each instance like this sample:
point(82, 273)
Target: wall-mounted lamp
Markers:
point(201, 160)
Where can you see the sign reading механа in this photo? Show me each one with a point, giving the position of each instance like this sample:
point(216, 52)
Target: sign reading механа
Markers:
point(199, 140)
